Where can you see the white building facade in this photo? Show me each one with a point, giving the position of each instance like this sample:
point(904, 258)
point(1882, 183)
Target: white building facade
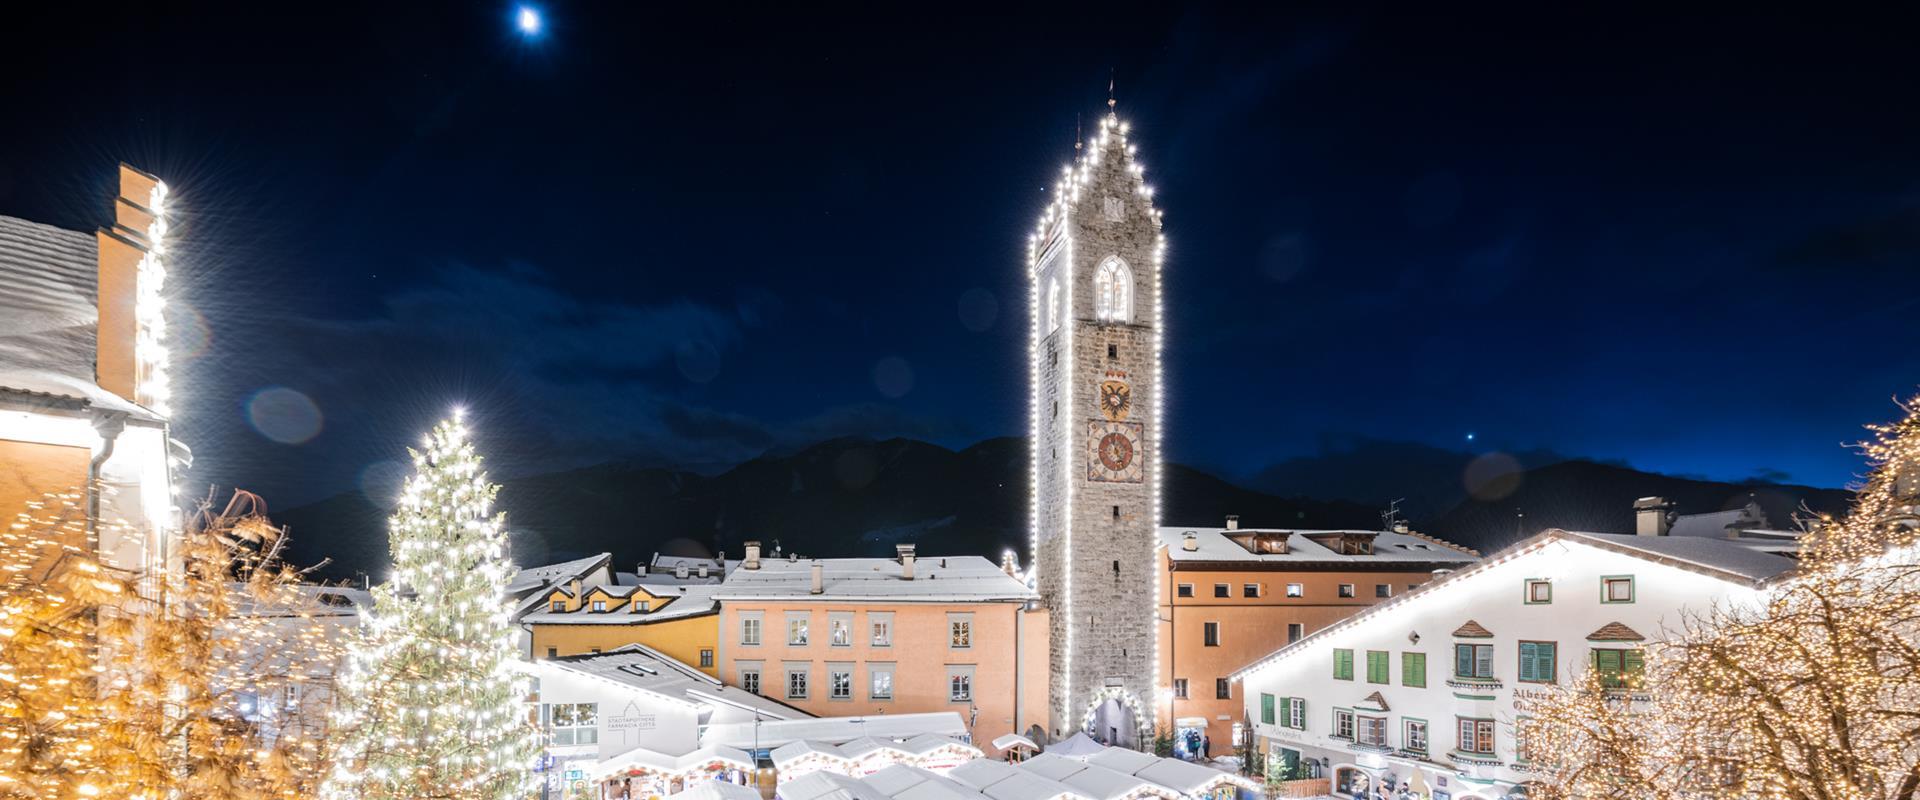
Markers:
point(1416, 697)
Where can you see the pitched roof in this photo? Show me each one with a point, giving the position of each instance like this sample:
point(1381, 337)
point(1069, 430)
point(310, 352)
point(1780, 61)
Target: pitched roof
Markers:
point(1216, 545)
point(50, 315)
point(935, 579)
point(1722, 559)
point(645, 669)
point(1473, 630)
point(1378, 701)
point(1615, 632)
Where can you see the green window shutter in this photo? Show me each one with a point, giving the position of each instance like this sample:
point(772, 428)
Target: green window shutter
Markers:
point(1463, 660)
point(1266, 708)
point(1343, 664)
point(1632, 662)
point(1544, 656)
point(1526, 662)
point(1413, 669)
point(1377, 666)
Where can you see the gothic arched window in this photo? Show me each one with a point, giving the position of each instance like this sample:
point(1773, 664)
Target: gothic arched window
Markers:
point(1053, 305)
point(1113, 291)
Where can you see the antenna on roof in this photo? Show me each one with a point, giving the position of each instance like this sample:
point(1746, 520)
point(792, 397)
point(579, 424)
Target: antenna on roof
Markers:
point(1391, 516)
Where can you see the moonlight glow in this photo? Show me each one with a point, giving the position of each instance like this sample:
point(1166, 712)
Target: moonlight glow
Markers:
point(527, 19)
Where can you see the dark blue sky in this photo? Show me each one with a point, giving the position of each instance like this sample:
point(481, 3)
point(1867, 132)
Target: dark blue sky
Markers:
point(1689, 243)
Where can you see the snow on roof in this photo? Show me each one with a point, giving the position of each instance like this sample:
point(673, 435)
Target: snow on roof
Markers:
point(1724, 559)
point(1095, 782)
point(691, 601)
point(824, 784)
point(1079, 744)
point(1007, 740)
point(838, 730)
point(1216, 544)
point(50, 315)
point(1109, 774)
point(935, 579)
point(643, 759)
point(1121, 759)
point(867, 745)
point(1713, 524)
point(717, 790)
point(645, 669)
point(982, 772)
point(533, 578)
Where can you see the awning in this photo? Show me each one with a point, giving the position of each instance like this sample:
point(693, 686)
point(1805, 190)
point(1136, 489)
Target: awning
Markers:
point(1008, 741)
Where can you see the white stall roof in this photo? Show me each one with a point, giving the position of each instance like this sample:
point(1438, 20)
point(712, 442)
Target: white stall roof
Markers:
point(1122, 759)
point(1008, 741)
point(1079, 744)
point(717, 790)
point(837, 730)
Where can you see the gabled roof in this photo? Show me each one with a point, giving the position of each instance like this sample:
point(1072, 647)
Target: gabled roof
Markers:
point(644, 669)
point(1473, 630)
point(694, 601)
point(50, 318)
point(1377, 701)
point(935, 579)
point(1721, 559)
point(1615, 632)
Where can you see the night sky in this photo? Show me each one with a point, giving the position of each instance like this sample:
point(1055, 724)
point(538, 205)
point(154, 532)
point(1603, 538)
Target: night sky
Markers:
point(1686, 243)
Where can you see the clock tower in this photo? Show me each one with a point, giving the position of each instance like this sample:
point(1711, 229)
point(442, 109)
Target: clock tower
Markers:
point(1094, 266)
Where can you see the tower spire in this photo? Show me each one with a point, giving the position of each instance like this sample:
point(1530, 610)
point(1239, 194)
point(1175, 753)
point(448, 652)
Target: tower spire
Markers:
point(1110, 101)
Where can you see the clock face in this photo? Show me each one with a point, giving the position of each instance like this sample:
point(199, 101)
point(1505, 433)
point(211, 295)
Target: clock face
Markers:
point(1116, 400)
point(1114, 452)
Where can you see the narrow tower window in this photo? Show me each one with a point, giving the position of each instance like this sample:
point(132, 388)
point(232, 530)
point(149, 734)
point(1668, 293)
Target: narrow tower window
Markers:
point(1053, 305)
point(1113, 291)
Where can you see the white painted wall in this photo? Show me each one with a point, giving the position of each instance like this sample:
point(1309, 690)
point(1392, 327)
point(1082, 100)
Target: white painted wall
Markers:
point(1494, 598)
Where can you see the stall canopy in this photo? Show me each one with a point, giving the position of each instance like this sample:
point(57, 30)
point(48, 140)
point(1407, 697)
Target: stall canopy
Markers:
point(1109, 774)
point(1076, 745)
point(1008, 741)
point(717, 790)
point(644, 761)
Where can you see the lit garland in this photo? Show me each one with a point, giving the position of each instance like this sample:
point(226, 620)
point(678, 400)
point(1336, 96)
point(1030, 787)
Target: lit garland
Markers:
point(1074, 179)
point(149, 310)
point(434, 700)
point(1809, 694)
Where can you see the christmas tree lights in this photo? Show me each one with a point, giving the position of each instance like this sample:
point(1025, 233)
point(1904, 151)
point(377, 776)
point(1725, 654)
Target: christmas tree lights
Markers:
point(1813, 693)
point(433, 704)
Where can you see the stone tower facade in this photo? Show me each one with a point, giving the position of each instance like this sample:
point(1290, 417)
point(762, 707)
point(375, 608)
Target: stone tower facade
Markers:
point(1095, 349)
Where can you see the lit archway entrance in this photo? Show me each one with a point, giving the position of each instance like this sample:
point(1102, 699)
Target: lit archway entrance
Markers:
point(1115, 717)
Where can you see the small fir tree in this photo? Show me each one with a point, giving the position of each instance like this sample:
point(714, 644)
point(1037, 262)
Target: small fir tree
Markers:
point(434, 699)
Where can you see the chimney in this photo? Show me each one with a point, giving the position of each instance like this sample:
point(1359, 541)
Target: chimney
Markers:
point(680, 570)
point(1008, 565)
point(1191, 542)
point(819, 571)
point(1233, 522)
point(753, 556)
point(1652, 516)
point(1400, 526)
point(574, 589)
point(906, 560)
point(640, 569)
point(132, 265)
point(703, 571)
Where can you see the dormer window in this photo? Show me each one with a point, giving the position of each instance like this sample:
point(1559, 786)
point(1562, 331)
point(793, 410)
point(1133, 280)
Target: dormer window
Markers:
point(557, 606)
point(1113, 291)
point(599, 605)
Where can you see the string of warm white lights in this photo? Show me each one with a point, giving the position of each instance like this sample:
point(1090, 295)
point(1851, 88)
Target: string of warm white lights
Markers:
point(434, 700)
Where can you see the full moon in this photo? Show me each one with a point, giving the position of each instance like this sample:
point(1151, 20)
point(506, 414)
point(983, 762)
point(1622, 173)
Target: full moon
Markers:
point(528, 20)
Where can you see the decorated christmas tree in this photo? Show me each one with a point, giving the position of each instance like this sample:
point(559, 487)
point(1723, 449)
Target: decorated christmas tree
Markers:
point(434, 700)
point(1812, 693)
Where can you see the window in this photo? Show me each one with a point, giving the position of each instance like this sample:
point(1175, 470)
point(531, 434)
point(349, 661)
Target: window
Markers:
point(1296, 717)
point(552, 652)
point(1113, 291)
point(1413, 735)
point(557, 606)
point(840, 630)
point(750, 679)
point(596, 651)
point(1473, 661)
point(750, 630)
point(840, 682)
point(1222, 590)
point(1295, 632)
point(1296, 590)
point(1616, 589)
point(1185, 590)
point(1372, 731)
point(572, 723)
point(1053, 305)
point(1346, 590)
point(1383, 590)
point(1476, 735)
point(1377, 667)
point(796, 683)
point(1537, 661)
point(880, 681)
point(599, 605)
point(1619, 669)
point(1413, 669)
point(1342, 724)
point(797, 628)
point(882, 625)
point(1113, 351)
point(1180, 688)
point(642, 606)
point(959, 631)
point(960, 684)
point(706, 657)
point(1222, 689)
point(1342, 664)
point(1212, 634)
point(1539, 592)
point(1250, 590)
point(1266, 709)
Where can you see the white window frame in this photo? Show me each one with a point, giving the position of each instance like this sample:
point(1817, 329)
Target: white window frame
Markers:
point(1343, 715)
point(840, 681)
point(753, 625)
point(1413, 734)
point(959, 683)
point(875, 673)
point(801, 635)
point(959, 631)
point(748, 675)
point(1113, 290)
point(1296, 713)
point(800, 672)
point(575, 732)
point(880, 628)
point(1296, 590)
point(840, 629)
point(599, 605)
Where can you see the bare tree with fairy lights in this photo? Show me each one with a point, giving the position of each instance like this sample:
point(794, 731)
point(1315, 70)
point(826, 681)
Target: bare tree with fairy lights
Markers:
point(1811, 694)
